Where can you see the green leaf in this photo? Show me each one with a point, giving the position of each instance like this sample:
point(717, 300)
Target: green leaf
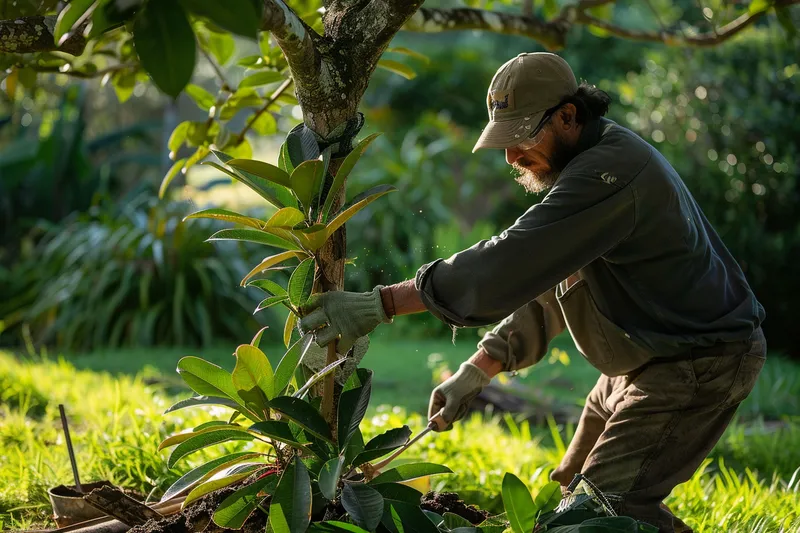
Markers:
point(165, 43)
point(329, 477)
point(452, 521)
point(221, 46)
point(333, 526)
point(410, 471)
point(208, 427)
point(278, 430)
point(124, 81)
point(253, 375)
point(178, 136)
point(269, 302)
point(359, 202)
point(604, 524)
point(383, 444)
point(173, 171)
point(261, 78)
point(290, 509)
point(413, 518)
point(306, 181)
point(234, 510)
point(301, 282)
point(412, 53)
point(204, 440)
point(207, 379)
point(265, 124)
point(353, 448)
point(202, 400)
point(518, 504)
point(237, 16)
point(548, 498)
point(598, 31)
point(287, 217)
point(213, 485)
point(241, 99)
point(273, 194)
point(262, 170)
point(303, 414)
point(352, 408)
point(289, 362)
point(399, 493)
point(204, 99)
point(205, 471)
point(397, 68)
point(288, 328)
point(268, 286)
point(344, 171)
point(227, 216)
point(69, 16)
point(272, 261)
point(257, 338)
point(757, 6)
point(284, 160)
point(253, 235)
point(364, 504)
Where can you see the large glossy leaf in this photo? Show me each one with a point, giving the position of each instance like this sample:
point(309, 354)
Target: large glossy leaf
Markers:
point(413, 519)
point(301, 282)
point(286, 217)
point(354, 447)
point(399, 493)
point(334, 526)
point(284, 160)
point(363, 503)
point(277, 430)
point(237, 16)
point(260, 186)
point(165, 44)
point(204, 99)
point(352, 408)
point(261, 78)
point(289, 362)
point(173, 171)
point(234, 510)
point(290, 509)
point(410, 471)
point(307, 181)
point(271, 301)
point(344, 171)
point(207, 378)
point(453, 521)
point(359, 202)
point(68, 16)
point(303, 414)
point(329, 477)
point(327, 369)
point(262, 170)
point(208, 427)
point(205, 471)
point(268, 286)
point(202, 400)
point(253, 235)
point(204, 440)
point(518, 504)
point(383, 444)
point(227, 216)
point(398, 68)
point(212, 485)
point(548, 498)
point(272, 261)
point(252, 376)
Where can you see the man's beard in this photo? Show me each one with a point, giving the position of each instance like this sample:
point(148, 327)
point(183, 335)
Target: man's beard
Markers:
point(538, 182)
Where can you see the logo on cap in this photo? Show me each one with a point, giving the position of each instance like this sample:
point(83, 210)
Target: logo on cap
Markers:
point(501, 100)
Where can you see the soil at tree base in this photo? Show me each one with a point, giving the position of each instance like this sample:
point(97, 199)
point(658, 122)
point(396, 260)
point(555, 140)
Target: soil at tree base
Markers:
point(449, 502)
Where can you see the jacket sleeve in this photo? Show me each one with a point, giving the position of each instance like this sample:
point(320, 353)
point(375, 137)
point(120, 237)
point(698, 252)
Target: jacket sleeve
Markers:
point(522, 338)
point(581, 219)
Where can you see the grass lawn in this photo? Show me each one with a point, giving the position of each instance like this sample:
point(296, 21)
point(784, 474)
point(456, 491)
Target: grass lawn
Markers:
point(751, 483)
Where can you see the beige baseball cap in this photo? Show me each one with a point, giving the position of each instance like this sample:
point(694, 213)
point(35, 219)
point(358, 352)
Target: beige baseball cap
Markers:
point(520, 93)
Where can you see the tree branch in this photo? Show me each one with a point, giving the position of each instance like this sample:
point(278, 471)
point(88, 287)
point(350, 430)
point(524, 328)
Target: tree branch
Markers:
point(295, 38)
point(433, 20)
point(35, 34)
point(677, 38)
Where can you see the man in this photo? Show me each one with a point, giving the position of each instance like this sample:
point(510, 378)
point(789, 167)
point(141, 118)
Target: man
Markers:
point(619, 253)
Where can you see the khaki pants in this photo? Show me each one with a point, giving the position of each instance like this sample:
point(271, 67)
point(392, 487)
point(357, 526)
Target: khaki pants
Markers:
point(642, 434)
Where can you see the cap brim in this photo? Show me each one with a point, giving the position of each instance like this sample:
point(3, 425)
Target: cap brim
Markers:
point(507, 133)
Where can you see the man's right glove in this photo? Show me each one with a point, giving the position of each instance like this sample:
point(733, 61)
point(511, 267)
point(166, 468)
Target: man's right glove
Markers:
point(453, 396)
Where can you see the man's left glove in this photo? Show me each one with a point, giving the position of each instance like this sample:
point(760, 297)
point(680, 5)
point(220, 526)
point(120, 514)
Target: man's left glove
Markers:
point(451, 399)
point(343, 315)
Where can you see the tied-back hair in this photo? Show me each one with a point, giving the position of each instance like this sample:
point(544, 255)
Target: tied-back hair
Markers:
point(589, 101)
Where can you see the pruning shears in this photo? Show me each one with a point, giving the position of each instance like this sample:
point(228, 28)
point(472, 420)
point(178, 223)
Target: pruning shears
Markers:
point(436, 422)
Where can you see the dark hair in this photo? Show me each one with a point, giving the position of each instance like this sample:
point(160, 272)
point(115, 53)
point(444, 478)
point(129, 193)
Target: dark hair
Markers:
point(589, 101)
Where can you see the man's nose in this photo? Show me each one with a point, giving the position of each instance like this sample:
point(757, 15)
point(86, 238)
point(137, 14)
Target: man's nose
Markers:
point(512, 155)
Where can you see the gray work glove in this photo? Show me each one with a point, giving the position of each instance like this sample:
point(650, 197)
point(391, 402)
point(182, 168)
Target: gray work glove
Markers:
point(343, 315)
point(316, 358)
point(453, 396)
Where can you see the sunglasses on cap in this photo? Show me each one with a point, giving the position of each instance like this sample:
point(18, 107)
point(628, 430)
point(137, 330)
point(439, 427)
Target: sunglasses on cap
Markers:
point(537, 134)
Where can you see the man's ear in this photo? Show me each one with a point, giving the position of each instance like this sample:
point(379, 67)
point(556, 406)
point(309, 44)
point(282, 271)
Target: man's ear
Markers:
point(567, 115)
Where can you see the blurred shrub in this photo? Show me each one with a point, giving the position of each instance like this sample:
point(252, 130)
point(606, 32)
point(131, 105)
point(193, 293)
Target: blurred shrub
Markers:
point(51, 169)
point(138, 276)
point(726, 119)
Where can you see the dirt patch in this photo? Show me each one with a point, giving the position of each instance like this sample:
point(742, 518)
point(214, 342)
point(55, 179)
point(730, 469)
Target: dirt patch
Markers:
point(197, 517)
point(449, 502)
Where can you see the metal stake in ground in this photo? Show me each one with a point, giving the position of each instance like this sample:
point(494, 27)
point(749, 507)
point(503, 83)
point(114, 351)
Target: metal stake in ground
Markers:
point(69, 448)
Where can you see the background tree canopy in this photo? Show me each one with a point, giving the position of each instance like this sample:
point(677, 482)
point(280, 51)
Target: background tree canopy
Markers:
point(711, 84)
